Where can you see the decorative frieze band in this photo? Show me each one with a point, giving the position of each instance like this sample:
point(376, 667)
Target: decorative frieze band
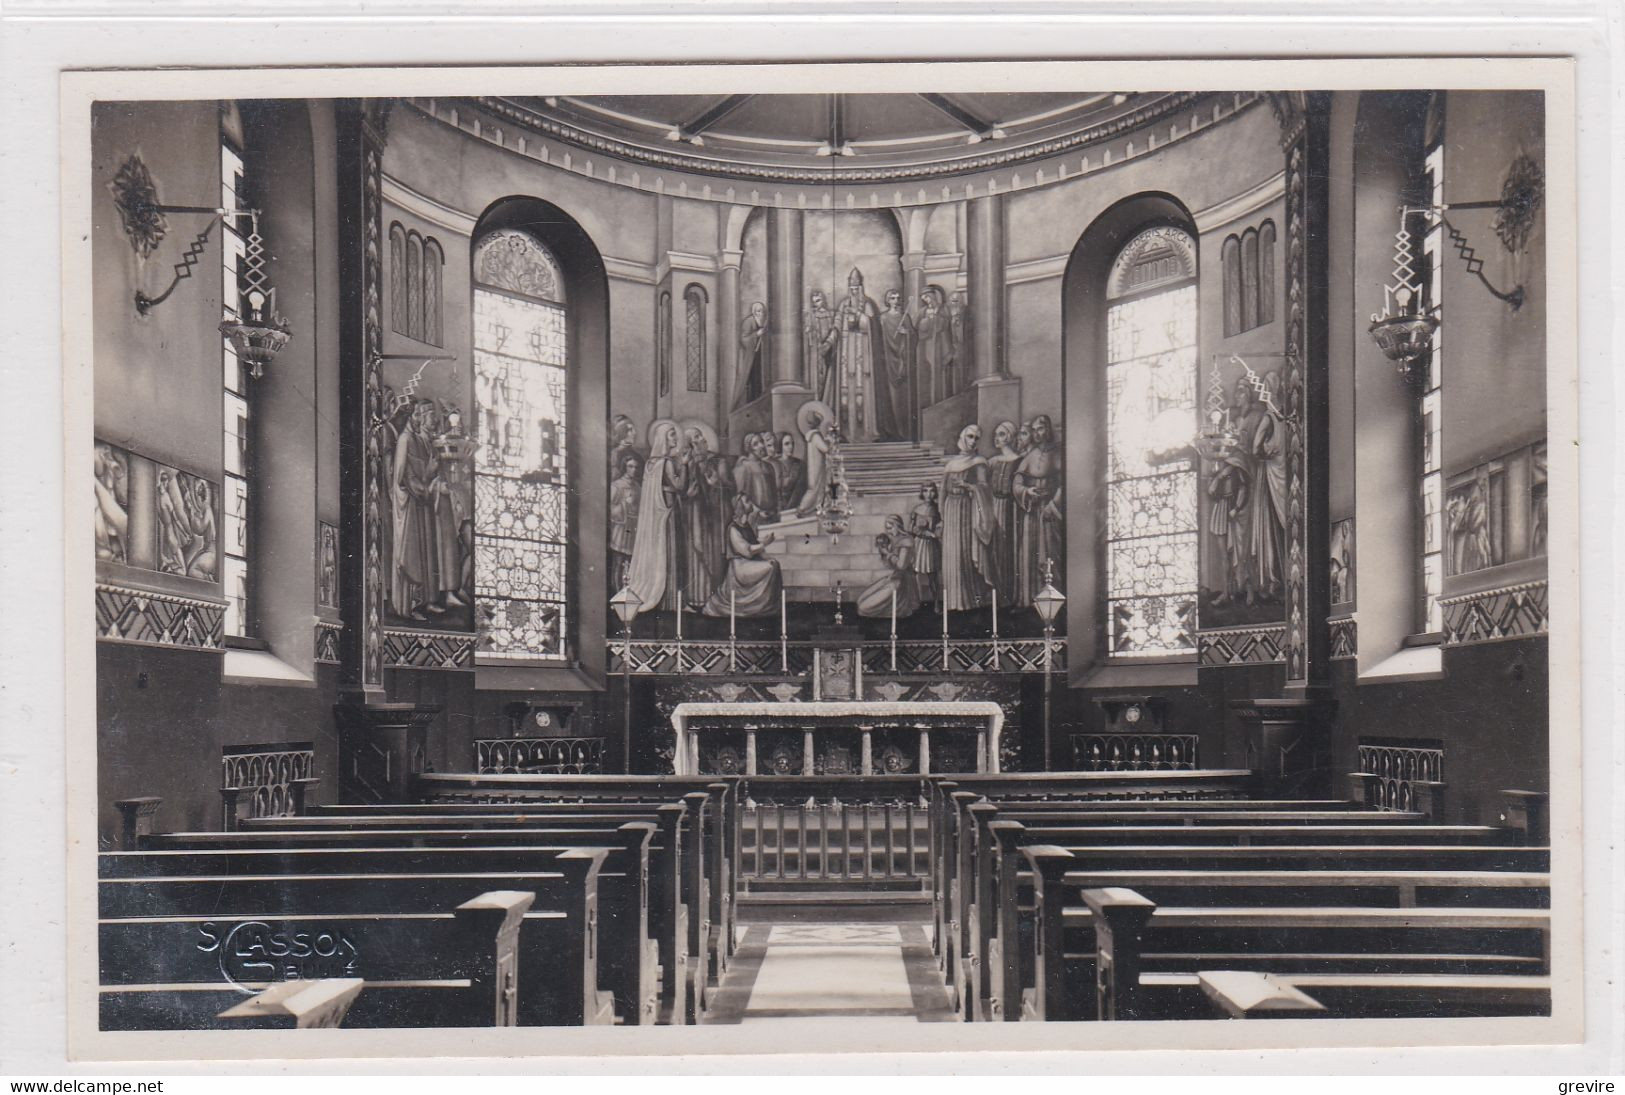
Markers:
point(1261, 645)
point(159, 619)
point(405, 649)
point(1514, 612)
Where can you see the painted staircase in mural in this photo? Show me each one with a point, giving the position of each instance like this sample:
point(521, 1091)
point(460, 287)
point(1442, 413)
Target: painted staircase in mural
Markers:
point(884, 478)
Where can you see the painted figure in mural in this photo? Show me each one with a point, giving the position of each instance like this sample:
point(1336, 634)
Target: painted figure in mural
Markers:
point(925, 525)
point(659, 562)
point(817, 425)
point(623, 436)
point(752, 353)
point(328, 581)
point(959, 324)
point(415, 486)
point(1002, 480)
point(856, 387)
point(791, 472)
point(202, 548)
point(967, 525)
point(1229, 490)
point(818, 335)
point(1040, 525)
point(756, 476)
point(453, 555)
point(112, 505)
point(750, 586)
point(934, 353)
point(1266, 441)
point(623, 517)
point(897, 335)
point(1467, 524)
point(709, 497)
point(896, 549)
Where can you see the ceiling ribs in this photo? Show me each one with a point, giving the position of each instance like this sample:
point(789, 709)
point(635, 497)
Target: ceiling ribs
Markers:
point(836, 144)
point(980, 128)
point(709, 117)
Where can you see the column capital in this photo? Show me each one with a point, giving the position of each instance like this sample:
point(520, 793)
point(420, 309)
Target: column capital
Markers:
point(730, 260)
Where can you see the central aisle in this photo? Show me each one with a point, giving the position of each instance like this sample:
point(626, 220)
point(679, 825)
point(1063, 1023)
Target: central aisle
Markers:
point(832, 971)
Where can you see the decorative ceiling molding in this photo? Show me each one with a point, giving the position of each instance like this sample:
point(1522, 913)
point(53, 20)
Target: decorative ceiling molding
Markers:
point(1050, 266)
point(423, 207)
point(1242, 205)
point(677, 174)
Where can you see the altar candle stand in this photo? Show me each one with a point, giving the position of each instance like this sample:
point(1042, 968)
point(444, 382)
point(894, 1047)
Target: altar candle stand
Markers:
point(680, 597)
point(944, 633)
point(733, 661)
point(784, 633)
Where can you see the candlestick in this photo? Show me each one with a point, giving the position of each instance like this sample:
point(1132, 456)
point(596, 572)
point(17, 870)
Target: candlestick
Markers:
point(995, 627)
point(733, 659)
point(680, 596)
point(945, 632)
point(784, 632)
point(894, 629)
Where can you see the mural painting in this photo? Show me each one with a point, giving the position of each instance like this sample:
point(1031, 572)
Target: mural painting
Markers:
point(188, 527)
point(1342, 561)
point(112, 482)
point(327, 565)
point(1244, 498)
point(428, 526)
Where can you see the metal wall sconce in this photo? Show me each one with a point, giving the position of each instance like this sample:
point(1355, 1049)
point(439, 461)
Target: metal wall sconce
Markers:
point(1405, 327)
point(259, 332)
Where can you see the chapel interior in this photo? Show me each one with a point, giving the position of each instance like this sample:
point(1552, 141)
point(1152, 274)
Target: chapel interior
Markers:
point(763, 438)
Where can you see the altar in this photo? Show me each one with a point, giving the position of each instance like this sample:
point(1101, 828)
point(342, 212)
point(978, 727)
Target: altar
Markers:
point(849, 737)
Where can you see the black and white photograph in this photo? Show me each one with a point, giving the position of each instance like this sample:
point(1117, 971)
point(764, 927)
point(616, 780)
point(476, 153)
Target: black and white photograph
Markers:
point(816, 553)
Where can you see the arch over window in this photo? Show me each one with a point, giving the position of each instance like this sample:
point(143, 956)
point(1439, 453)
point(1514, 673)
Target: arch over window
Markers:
point(694, 301)
point(522, 518)
point(1150, 479)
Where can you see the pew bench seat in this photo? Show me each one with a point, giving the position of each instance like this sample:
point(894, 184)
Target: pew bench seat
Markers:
point(1248, 994)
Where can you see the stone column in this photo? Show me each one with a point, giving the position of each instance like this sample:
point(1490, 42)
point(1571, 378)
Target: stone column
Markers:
point(786, 364)
point(914, 282)
point(868, 767)
point(726, 336)
point(998, 395)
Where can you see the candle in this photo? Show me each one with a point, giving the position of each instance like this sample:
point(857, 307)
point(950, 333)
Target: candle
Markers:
point(679, 615)
point(732, 595)
point(894, 611)
point(995, 615)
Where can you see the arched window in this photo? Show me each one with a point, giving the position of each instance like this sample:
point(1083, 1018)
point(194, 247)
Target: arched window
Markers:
point(521, 527)
point(1249, 280)
point(1151, 532)
point(416, 264)
point(1232, 286)
point(663, 343)
point(414, 286)
point(398, 321)
point(434, 261)
point(1266, 272)
point(694, 307)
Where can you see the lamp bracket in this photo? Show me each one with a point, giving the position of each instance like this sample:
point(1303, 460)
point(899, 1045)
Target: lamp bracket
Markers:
point(1469, 256)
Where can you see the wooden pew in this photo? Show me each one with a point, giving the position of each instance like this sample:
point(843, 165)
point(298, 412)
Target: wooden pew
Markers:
point(1248, 994)
point(295, 1005)
point(577, 984)
point(645, 950)
point(454, 968)
point(1136, 940)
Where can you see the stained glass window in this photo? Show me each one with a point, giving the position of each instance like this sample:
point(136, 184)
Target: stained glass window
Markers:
point(1431, 485)
point(1151, 523)
point(521, 505)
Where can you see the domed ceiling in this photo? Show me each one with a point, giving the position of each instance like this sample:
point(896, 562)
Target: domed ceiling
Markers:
point(838, 138)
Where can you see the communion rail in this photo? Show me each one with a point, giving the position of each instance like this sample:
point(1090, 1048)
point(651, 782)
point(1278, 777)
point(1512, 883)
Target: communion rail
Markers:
point(852, 829)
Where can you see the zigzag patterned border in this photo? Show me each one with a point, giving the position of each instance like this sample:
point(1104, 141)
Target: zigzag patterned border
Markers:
point(1261, 645)
point(428, 649)
point(1514, 612)
point(1344, 636)
point(327, 642)
point(158, 619)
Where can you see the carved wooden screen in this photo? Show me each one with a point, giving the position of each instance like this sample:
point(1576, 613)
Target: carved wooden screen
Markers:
point(521, 487)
